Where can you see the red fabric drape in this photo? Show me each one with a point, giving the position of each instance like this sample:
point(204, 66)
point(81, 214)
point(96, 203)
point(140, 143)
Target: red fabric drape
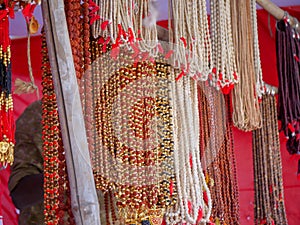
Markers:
point(243, 140)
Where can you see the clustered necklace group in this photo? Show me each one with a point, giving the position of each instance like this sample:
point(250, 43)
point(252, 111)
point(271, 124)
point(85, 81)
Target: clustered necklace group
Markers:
point(161, 145)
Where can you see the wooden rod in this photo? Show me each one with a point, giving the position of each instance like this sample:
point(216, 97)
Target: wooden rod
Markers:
point(85, 206)
point(273, 9)
point(278, 13)
point(268, 5)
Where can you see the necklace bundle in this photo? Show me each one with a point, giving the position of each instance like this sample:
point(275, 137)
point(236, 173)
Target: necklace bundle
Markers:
point(133, 135)
point(189, 34)
point(80, 43)
point(194, 201)
point(246, 114)
point(99, 158)
point(288, 65)
point(269, 200)
point(6, 108)
point(124, 22)
point(224, 73)
point(75, 23)
point(114, 20)
point(57, 204)
point(216, 146)
point(260, 85)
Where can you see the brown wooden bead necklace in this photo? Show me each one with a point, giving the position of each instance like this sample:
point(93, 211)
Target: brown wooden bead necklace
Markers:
point(269, 197)
point(217, 154)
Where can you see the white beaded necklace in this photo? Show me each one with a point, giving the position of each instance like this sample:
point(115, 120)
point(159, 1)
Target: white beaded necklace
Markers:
point(148, 34)
point(189, 173)
point(224, 74)
point(190, 37)
point(260, 86)
point(127, 14)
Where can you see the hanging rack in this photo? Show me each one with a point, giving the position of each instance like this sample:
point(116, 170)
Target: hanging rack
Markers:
point(268, 5)
point(278, 13)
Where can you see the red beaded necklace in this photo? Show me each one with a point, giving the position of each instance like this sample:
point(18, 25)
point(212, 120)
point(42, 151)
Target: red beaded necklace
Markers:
point(6, 107)
point(57, 204)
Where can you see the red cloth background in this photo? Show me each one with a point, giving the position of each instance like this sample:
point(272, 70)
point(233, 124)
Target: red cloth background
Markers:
point(243, 140)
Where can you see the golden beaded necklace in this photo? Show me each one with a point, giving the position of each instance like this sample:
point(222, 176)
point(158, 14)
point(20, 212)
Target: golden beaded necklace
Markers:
point(134, 135)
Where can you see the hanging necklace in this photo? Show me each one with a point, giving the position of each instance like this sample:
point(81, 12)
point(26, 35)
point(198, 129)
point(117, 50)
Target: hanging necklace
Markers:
point(269, 199)
point(57, 204)
point(288, 53)
point(132, 106)
point(224, 73)
point(246, 113)
point(260, 85)
point(190, 38)
point(121, 23)
point(216, 147)
point(7, 122)
point(191, 185)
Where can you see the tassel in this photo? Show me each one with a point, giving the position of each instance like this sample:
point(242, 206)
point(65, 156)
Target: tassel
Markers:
point(200, 215)
point(28, 11)
point(104, 25)
point(180, 76)
point(190, 207)
point(23, 87)
point(205, 197)
point(191, 161)
point(115, 52)
point(33, 26)
point(171, 187)
point(160, 48)
point(183, 41)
